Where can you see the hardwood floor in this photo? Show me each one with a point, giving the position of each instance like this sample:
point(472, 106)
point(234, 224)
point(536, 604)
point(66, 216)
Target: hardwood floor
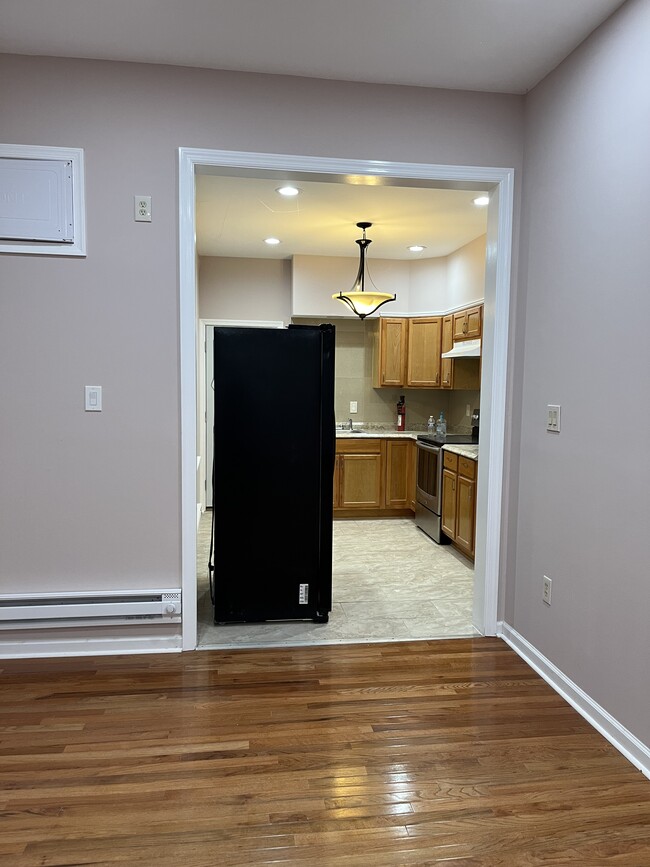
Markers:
point(418, 753)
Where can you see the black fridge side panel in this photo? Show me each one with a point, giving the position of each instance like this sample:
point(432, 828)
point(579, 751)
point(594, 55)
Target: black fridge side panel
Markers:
point(328, 457)
point(273, 473)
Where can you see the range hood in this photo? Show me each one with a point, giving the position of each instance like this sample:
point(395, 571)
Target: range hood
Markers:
point(464, 349)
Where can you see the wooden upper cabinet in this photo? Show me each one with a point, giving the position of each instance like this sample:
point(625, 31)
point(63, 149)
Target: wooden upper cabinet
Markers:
point(423, 354)
point(447, 364)
point(407, 351)
point(467, 323)
point(390, 352)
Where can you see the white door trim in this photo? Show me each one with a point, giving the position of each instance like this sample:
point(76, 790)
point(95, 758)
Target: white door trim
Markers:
point(495, 348)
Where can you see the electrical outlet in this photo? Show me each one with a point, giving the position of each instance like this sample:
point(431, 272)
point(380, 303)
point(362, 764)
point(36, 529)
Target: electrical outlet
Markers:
point(142, 209)
point(546, 590)
point(353, 406)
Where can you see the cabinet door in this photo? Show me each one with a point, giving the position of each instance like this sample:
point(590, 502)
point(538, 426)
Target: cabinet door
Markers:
point(467, 323)
point(460, 325)
point(360, 481)
point(392, 351)
point(448, 523)
point(447, 364)
point(397, 488)
point(423, 356)
point(474, 317)
point(413, 474)
point(337, 487)
point(466, 515)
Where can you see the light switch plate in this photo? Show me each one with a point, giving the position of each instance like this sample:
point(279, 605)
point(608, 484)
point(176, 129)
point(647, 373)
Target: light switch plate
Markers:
point(353, 406)
point(553, 418)
point(93, 398)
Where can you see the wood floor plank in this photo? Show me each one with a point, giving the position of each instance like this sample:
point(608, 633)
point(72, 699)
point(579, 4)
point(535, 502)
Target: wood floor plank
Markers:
point(409, 753)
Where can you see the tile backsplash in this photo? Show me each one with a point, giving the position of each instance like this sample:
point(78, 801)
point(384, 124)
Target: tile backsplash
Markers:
point(379, 405)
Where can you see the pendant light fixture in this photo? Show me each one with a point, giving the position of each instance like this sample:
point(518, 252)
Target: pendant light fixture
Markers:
point(358, 300)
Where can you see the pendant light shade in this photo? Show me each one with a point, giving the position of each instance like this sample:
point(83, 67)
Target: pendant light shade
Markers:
point(358, 300)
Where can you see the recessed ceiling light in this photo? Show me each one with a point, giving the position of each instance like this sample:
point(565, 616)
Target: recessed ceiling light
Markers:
point(417, 248)
point(482, 200)
point(288, 190)
point(271, 241)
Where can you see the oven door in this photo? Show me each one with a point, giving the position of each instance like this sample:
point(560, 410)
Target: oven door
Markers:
point(429, 477)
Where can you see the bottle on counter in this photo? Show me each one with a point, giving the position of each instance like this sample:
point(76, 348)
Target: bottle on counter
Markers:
point(441, 426)
point(431, 426)
point(401, 413)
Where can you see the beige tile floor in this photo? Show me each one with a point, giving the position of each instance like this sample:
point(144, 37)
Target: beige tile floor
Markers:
point(390, 582)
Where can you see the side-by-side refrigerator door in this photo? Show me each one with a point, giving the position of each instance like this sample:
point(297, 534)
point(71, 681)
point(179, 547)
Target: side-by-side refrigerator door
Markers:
point(273, 470)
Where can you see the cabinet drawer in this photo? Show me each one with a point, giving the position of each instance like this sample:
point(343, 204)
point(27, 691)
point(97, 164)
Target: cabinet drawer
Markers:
point(361, 446)
point(467, 468)
point(450, 460)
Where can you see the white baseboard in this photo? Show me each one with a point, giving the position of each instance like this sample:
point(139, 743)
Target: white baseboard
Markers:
point(625, 742)
point(51, 647)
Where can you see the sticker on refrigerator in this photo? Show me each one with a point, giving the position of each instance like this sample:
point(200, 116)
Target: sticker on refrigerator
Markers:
point(303, 594)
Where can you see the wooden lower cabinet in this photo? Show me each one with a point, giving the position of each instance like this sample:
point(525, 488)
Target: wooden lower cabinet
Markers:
point(358, 474)
point(397, 487)
point(466, 515)
point(459, 501)
point(449, 502)
point(413, 475)
point(374, 476)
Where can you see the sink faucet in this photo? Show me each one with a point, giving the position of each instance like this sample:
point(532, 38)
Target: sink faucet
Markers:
point(350, 423)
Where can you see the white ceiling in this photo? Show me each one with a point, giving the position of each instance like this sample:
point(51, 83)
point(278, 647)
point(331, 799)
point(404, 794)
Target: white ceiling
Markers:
point(485, 45)
point(235, 215)
point(490, 45)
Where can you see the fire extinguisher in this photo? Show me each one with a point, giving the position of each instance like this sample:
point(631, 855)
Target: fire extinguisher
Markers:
point(401, 414)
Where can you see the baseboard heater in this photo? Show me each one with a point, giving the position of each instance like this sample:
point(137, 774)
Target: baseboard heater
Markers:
point(100, 608)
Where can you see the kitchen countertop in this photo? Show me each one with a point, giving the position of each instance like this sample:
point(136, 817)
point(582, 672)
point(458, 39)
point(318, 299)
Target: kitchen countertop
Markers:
point(369, 433)
point(465, 451)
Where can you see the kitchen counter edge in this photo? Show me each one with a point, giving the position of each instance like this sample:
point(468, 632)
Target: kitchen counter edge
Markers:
point(465, 451)
point(379, 434)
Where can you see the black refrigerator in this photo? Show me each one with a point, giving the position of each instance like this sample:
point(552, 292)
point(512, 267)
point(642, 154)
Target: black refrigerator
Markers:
point(273, 473)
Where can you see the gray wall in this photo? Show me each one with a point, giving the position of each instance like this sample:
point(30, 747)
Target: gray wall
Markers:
point(584, 495)
point(93, 500)
point(235, 288)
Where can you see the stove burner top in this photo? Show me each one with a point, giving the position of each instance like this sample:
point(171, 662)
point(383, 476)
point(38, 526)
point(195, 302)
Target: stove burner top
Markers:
point(450, 439)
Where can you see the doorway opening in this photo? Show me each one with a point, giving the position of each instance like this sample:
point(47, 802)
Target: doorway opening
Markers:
point(499, 229)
